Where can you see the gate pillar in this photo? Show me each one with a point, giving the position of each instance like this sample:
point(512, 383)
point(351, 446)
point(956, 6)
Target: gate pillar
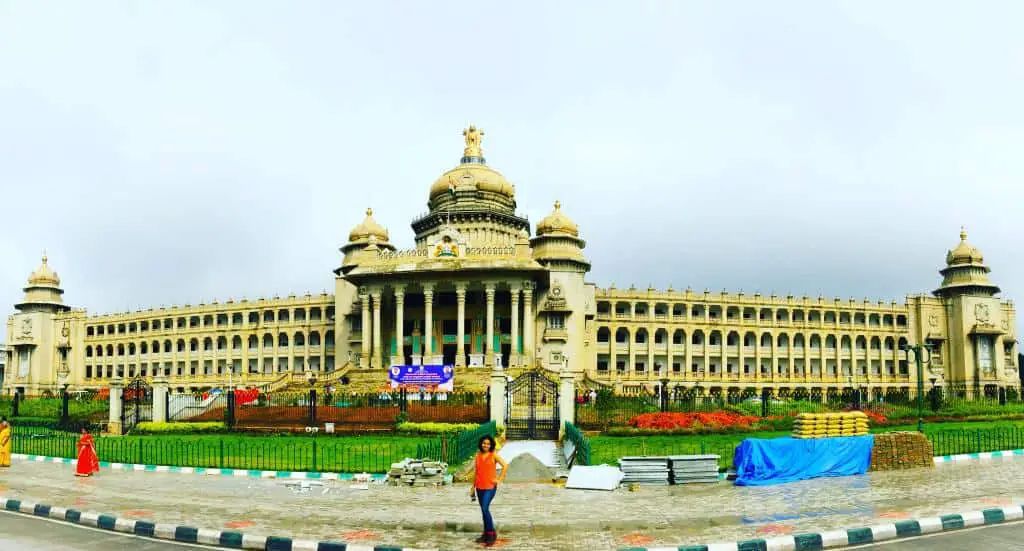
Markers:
point(160, 399)
point(498, 396)
point(114, 421)
point(566, 400)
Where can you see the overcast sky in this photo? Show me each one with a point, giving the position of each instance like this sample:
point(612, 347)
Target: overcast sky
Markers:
point(177, 152)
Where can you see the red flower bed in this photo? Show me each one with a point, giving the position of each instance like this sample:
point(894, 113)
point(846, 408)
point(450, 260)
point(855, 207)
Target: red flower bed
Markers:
point(876, 417)
point(675, 421)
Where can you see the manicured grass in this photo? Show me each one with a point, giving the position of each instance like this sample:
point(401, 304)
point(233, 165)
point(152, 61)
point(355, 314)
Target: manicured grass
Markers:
point(373, 454)
point(948, 438)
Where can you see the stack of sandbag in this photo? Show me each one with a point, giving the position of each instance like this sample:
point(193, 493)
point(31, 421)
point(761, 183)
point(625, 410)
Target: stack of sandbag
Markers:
point(901, 450)
point(830, 425)
point(417, 472)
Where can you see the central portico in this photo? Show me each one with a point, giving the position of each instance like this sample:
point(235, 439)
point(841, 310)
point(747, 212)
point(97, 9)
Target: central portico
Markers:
point(475, 291)
point(471, 322)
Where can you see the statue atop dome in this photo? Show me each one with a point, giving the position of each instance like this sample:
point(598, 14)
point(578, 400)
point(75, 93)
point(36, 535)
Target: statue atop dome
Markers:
point(473, 135)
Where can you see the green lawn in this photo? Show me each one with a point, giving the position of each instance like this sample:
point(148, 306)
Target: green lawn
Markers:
point(351, 454)
point(948, 439)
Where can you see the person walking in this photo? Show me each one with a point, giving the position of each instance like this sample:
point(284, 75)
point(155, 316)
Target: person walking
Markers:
point(485, 484)
point(5, 442)
point(88, 462)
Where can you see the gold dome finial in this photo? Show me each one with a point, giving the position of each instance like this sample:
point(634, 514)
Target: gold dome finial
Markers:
point(368, 229)
point(44, 256)
point(473, 135)
point(963, 234)
point(558, 205)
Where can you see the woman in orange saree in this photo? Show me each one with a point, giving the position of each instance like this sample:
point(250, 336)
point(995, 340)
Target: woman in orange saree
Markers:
point(88, 462)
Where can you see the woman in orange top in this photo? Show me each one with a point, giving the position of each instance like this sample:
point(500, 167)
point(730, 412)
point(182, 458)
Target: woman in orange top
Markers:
point(486, 484)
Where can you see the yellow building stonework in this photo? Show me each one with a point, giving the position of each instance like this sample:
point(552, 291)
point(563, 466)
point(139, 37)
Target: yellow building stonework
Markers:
point(478, 291)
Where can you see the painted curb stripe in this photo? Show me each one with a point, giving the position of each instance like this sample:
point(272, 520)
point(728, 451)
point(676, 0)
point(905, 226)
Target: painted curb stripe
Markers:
point(243, 473)
point(860, 536)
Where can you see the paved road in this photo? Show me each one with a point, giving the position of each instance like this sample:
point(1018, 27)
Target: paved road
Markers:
point(23, 533)
point(1008, 537)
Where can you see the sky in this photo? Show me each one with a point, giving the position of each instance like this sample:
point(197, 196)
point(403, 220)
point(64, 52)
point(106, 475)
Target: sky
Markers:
point(166, 153)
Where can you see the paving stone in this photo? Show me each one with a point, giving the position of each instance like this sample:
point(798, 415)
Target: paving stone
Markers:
point(672, 516)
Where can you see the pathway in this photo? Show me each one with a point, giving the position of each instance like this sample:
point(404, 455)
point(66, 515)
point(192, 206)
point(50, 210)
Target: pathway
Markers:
point(569, 519)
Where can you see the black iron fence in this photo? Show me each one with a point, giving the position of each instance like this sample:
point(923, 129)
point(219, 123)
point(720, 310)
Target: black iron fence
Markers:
point(315, 407)
point(944, 442)
point(269, 454)
point(63, 408)
point(458, 448)
point(891, 405)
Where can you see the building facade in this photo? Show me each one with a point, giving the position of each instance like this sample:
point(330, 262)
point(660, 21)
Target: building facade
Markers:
point(479, 291)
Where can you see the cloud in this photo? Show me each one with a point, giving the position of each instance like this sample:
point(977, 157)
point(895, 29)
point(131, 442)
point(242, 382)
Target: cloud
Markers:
point(176, 153)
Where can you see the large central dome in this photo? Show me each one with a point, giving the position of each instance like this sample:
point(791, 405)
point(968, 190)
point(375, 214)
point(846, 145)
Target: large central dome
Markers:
point(472, 172)
point(472, 198)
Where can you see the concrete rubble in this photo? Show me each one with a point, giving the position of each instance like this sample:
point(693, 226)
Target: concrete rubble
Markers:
point(418, 473)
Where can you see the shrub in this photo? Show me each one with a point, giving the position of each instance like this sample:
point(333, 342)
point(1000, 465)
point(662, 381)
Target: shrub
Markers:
point(671, 421)
point(179, 428)
point(436, 428)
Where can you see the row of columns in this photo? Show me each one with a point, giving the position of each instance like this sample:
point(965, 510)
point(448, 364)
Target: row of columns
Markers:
point(371, 349)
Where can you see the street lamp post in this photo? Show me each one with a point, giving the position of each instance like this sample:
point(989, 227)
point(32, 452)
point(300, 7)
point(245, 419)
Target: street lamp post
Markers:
point(922, 356)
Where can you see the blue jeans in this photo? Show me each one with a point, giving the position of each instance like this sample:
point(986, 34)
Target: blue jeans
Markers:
point(485, 497)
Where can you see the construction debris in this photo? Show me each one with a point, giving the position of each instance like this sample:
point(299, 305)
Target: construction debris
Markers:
point(901, 450)
point(418, 473)
point(645, 470)
point(691, 469)
point(830, 425)
point(599, 477)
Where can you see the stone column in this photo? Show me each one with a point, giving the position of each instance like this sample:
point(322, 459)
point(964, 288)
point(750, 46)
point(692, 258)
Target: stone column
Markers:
point(489, 290)
point(428, 323)
point(498, 397)
point(160, 399)
point(399, 358)
point(114, 420)
point(529, 354)
point(364, 354)
point(375, 362)
point(513, 360)
point(566, 398)
point(460, 331)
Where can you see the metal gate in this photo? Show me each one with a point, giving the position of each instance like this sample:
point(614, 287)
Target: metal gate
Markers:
point(136, 404)
point(532, 408)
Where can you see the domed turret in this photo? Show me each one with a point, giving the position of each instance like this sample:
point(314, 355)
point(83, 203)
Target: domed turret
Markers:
point(558, 242)
point(964, 253)
point(367, 233)
point(44, 275)
point(43, 290)
point(965, 272)
point(368, 228)
point(557, 223)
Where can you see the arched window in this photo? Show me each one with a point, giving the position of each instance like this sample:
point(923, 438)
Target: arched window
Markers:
point(603, 334)
point(622, 335)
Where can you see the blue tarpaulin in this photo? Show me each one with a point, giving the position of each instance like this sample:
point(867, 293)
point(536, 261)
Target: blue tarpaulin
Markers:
point(779, 460)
